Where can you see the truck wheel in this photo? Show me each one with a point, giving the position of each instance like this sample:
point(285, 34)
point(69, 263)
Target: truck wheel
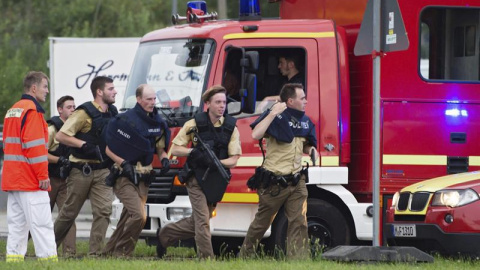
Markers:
point(327, 227)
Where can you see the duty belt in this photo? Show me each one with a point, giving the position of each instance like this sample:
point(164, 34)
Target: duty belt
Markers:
point(87, 168)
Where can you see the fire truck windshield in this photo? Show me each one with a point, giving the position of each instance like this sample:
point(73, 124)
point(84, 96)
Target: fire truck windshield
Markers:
point(176, 69)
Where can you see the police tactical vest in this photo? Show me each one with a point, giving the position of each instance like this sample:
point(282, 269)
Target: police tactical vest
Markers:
point(218, 138)
point(95, 134)
point(61, 151)
point(136, 126)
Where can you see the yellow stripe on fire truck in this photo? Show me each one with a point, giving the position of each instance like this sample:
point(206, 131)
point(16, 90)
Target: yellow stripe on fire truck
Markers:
point(281, 35)
point(424, 160)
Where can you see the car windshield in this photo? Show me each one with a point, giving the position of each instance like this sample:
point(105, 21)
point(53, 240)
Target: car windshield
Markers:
point(176, 69)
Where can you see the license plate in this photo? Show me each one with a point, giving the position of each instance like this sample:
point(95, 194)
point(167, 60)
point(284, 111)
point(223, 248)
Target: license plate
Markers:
point(404, 231)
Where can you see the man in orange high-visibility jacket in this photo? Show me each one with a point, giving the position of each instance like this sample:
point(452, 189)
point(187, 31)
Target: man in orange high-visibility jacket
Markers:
point(25, 173)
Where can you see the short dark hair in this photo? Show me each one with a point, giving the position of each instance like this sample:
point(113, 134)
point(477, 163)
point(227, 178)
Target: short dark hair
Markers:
point(289, 91)
point(62, 100)
point(213, 91)
point(33, 77)
point(99, 83)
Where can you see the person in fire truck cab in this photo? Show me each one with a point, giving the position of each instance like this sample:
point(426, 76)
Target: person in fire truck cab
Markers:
point(280, 182)
point(132, 140)
point(204, 184)
point(290, 67)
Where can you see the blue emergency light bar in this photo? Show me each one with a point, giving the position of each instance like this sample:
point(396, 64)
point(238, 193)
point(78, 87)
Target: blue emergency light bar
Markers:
point(198, 5)
point(249, 10)
point(196, 13)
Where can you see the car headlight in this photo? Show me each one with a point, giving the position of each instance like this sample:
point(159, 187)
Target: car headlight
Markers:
point(396, 196)
point(454, 198)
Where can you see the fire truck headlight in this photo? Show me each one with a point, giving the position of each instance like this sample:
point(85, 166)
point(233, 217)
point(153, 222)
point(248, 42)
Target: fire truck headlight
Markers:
point(176, 214)
point(395, 199)
point(454, 198)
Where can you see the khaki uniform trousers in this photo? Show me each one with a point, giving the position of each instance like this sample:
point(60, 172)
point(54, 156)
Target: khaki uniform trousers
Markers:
point(132, 220)
point(197, 225)
point(294, 200)
point(58, 195)
point(79, 188)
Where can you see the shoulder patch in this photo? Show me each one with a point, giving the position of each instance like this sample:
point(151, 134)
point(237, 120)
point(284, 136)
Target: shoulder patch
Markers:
point(14, 113)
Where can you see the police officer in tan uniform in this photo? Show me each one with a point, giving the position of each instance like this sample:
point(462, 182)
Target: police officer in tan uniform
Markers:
point(82, 132)
point(219, 126)
point(289, 134)
point(132, 140)
point(58, 158)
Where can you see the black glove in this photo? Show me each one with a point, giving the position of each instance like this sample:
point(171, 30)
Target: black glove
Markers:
point(63, 161)
point(165, 166)
point(89, 149)
point(112, 177)
point(128, 171)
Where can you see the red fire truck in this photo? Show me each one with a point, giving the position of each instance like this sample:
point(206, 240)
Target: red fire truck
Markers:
point(429, 103)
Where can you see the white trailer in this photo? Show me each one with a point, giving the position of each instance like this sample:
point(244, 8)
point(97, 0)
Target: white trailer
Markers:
point(74, 62)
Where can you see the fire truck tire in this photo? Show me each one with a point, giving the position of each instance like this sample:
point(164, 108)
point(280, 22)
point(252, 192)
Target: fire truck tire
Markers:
point(327, 227)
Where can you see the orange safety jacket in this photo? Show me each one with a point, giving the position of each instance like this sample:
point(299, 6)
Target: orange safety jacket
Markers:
point(25, 138)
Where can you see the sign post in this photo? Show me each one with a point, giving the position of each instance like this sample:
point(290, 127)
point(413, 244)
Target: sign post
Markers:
point(382, 30)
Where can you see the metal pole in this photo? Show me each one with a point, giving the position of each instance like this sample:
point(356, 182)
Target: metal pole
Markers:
point(174, 7)
point(376, 122)
point(222, 9)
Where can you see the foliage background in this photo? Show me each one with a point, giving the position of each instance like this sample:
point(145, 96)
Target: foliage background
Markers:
point(26, 25)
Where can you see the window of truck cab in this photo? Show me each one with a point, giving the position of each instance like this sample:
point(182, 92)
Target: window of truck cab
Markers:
point(449, 44)
point(268, 76)
point(177, 70)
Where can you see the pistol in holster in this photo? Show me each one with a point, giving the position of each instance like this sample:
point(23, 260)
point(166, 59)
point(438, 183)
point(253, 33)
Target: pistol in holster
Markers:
point(64, 171)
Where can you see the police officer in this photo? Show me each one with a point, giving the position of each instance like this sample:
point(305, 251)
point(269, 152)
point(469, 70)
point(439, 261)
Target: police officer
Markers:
point(289, 133)
point(132, 140)
point(83, 133)
point(220, 132)
point(58, 161)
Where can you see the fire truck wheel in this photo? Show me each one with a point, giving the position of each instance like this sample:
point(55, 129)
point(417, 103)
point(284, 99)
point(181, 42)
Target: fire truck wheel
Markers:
point(327, 228)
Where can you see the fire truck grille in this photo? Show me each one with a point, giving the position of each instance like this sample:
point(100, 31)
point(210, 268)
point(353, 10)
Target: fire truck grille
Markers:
point(161, 188)
point(414, 202)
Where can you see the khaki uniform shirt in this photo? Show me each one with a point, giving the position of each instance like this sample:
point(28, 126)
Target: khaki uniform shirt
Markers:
point(79, 121)
point(284, 158)
point(182, 139)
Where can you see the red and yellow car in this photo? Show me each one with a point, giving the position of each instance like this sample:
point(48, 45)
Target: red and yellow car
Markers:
point(437, 215)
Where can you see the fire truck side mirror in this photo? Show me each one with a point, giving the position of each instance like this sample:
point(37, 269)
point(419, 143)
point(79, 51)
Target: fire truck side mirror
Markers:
point(249, 93)
point(253, 61)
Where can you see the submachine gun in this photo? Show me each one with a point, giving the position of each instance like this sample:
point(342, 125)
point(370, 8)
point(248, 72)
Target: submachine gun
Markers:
point(212, 158)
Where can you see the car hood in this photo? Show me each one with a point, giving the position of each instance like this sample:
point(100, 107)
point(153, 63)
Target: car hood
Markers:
point(435, 184)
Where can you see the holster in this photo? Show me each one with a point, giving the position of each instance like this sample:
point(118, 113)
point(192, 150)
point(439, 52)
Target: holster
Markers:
point(185, 173)
point(64, 171)
point(261, 179)
point(147, 178)
point(304, 171)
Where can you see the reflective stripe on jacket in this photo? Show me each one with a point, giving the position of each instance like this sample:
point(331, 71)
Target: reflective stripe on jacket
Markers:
point(25, 146)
